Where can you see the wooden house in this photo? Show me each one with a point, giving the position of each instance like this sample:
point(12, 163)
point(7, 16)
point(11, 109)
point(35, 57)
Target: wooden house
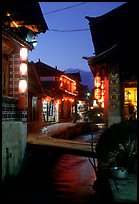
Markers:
point(52, 93)
point(114, 65)
point(21, 23)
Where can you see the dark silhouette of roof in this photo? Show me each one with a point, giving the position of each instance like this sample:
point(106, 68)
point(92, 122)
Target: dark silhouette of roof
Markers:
point(22, 21)
point(46, 70)
point(116, 28)
point(27, 12)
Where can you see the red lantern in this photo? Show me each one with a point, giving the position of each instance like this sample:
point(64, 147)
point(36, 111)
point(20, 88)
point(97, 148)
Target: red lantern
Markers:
point(97, 93)
point(102, 84)
point(102, 105)
point(48, 99)
point(102, 92)
point(23, 69)
point(23, 54)
point(97, 80)
point(22, 86)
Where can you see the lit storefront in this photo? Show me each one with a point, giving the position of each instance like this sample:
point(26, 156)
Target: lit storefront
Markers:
point(55, 93)
point(130, 97)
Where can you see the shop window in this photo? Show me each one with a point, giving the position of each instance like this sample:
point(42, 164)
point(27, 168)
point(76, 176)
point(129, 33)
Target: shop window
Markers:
point(130, 103)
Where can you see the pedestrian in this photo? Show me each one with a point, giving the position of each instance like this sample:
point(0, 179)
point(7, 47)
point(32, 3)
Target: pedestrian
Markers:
point(131, 110)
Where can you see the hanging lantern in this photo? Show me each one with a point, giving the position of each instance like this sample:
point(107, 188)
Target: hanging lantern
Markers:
point(57, 102)
point(47, 99)
point(23, 69)
point(97, 93)
point(61, 84)
point(102, 105)
point(23, 54)
point(22, 86)
point(102, 92)
point(102, 84)
point(97, 81)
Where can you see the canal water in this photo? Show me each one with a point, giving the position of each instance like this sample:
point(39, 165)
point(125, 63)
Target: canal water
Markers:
point(49, 176)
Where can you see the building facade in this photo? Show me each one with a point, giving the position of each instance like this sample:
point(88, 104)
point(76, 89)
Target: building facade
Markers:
point(20, 25)
point(115, 61)
point(52, 95)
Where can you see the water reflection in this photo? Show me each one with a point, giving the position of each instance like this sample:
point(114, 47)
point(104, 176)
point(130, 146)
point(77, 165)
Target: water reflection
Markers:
point(53, 178)
point(73, 176)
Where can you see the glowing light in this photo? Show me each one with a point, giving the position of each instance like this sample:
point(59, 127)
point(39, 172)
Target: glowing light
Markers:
point(22, 86)
point(102, 84)
point(95, 104)
point(102, 105)
point(97, 93)
point(47, 99)
point(97, 81)
point(58, 102)
point(102, 92)
point(23, 54)
point(88, 94)
point(23, 69)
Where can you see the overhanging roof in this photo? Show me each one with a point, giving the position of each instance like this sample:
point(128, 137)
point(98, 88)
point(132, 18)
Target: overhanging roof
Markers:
point(102, 56)
point(115, 27)
point(25, 13)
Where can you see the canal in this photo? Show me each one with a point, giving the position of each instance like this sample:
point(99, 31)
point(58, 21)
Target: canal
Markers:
point(51, 176)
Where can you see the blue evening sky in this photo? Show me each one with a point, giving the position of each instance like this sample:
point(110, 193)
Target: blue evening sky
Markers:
point(66, 49)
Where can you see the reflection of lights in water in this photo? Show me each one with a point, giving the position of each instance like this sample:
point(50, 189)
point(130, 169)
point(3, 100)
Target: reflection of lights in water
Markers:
point(73, 175)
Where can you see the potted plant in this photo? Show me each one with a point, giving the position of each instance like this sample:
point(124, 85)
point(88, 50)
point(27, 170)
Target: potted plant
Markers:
point(117, 146)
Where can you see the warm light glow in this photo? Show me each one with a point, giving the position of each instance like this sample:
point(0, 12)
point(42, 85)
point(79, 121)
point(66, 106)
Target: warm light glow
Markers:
point(102, 84)
point(71, 100)
point(8, 14)
point(68, 84)
point(57, 102)
point(97, 81)
point(95, 104)
point(23, 69)
point(102, 92)
point(102, 105)
point(13, 24)
point(22, 86)
point(67, 98)
point(71, 93)
point(23, 54)
point(61, 84)
point(47, 99)
point(97, 93)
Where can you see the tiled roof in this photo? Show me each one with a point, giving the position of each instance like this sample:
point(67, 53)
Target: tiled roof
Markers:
point(46, 70)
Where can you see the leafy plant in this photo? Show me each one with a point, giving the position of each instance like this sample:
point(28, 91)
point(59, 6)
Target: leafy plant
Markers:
point(117, 145)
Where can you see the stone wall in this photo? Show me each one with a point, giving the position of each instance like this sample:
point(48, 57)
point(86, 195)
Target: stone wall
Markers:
point(10, 111)
point(13, 147)
point(14, 135)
